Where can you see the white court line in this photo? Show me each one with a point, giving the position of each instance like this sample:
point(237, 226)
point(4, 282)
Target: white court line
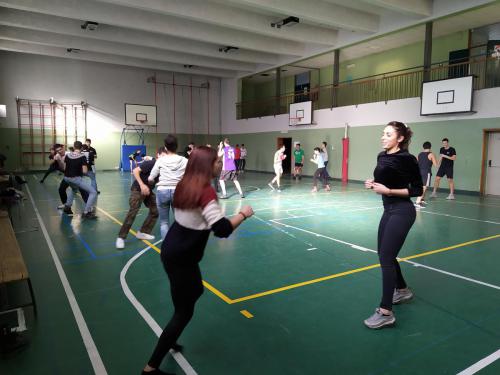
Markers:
point(94, 356)
point(481, 364)
point(179, 358)
point(354, 246)
point(459, 217)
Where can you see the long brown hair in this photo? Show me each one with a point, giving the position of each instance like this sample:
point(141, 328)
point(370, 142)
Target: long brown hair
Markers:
point(198, 175)
point(403, 131)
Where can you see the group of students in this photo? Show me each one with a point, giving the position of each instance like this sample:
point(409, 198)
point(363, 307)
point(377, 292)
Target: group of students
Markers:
point(320, 158)
point(75, 164)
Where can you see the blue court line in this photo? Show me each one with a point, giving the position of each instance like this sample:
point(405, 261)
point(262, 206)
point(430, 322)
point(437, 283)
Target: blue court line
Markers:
point(85, 244)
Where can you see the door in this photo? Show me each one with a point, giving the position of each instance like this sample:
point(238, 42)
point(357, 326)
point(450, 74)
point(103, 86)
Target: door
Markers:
point(493, 164)
point(287, 163)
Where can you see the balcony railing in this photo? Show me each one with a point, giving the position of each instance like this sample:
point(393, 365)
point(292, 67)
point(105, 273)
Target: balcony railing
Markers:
point(383, 87)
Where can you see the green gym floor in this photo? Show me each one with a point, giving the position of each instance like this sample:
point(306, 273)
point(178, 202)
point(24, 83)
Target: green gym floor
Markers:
point(287, 293)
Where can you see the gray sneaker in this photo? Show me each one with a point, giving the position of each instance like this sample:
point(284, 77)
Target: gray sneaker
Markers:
point(401, 295)
point(450, 197)
point(379, 320)
point(433, 195)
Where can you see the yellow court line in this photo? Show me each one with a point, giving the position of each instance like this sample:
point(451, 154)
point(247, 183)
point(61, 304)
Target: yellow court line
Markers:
point(214, 290)
point(356, 270)
point(246, 314)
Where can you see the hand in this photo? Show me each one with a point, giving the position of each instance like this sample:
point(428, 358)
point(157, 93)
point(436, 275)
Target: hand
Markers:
point(145, 190)
point(369, 183)
point(247, 211)
point(380, 189)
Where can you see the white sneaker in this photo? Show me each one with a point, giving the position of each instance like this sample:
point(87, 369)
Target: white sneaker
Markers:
point(60, 207)
point(433, 195)
point(144, 236)
point(451, 196)
point(120, 243)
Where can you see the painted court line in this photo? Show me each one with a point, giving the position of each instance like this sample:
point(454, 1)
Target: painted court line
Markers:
point(179, 358)
point(459, 217)
point(481, 364)
point(88, 341)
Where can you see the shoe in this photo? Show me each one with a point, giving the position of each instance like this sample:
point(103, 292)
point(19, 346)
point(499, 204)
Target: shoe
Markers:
point(401, 295)
point(60, 207)
point(450, 197)
point(423, 203)
point(89, 215)
point(242, 196)
point(177, 348)
point(314, 190)
point(271, 186)
point(144, 236)
point(120, 243)
point(379, 320)
point(434, 195)
point(418, 206)
point(156, 372)
point(224, 196)
point(328, 188)
point(300, 178)
point(67, 210)
point(278, 190)
point(41, 181)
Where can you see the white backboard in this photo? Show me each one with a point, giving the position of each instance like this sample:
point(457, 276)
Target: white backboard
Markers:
point(447, 96)
point(140, 114)
point(301, 111)
point(3, 110)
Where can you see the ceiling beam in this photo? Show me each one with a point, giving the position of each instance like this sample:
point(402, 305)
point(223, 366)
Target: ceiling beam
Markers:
point(8, 45)
point(147, 21)
point(235, 18)
point(67, 26)
point(422, 8)
point(65, 41)
point(319, 12)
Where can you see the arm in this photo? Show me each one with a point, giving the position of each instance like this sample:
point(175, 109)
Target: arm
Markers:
point(137, 175)
point(221, 151)
point(154, 172)
point(433, 159)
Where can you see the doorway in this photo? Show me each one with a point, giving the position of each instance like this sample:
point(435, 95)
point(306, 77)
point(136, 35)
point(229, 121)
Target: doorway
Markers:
point(490, 173)
point(287, 163)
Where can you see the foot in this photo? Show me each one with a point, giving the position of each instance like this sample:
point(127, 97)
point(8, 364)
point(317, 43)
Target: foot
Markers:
point(120, 243)
point(60, 207)
point(89, 215)
point(271, 186)
point(144, 236)
point(41, 181)
point(401, 295)
point(450, 197)
point(328, 188)
point(67, 210)
point(156, 372)
point(278, 190)
point(223, 196)
point(379, 320)
point(300, 178)
point(242, 196)
point(433, 195)
point(423, 203)
point(177, 348)
point(314, 190)
point(418, 206)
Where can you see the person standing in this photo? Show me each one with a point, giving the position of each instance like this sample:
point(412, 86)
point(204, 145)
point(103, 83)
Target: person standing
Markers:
point(324, 154)
point(237, 158)
point(320, 171)
point(52, 164)
point(76, 166)
point(396, 178)
point(170, 168)
point(141, 192)
point(228, 168)
point(279, 156)
point(298, 156)
point(92, 171)
point(447, 157)
point(197, 213)
point(243, 159)
point(426, 160)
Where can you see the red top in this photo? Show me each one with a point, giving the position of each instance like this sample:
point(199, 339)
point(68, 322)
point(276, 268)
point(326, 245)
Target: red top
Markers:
point(237, 153)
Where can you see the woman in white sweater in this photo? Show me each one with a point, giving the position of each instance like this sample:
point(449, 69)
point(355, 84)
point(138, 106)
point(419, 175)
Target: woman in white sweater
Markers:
point(170, 168)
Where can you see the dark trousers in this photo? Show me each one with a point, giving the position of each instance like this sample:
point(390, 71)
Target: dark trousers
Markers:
point(243, 162)
point(52, 168)
point(64, 197)
point(394, 226)
point(185, 287)
point(135, 200)
point(325, 172)
point(320, 173)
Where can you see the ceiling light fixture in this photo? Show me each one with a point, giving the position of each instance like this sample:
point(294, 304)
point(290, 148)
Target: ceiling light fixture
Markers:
point(227, 49)
point(187, 66)
point(89, 25)
point(289, 21)
point(73, 50)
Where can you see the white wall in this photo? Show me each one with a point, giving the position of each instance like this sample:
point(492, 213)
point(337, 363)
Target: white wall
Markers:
point(106, 88)
point(485, 103)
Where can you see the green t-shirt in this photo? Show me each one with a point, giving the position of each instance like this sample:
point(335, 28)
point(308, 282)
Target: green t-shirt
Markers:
point(298, 155)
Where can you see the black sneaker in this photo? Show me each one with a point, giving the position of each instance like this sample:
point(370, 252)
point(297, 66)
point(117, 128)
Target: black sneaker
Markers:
point(89, 215)
point(67, 210)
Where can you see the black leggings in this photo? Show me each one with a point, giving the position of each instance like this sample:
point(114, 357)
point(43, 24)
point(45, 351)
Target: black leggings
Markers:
point(186, 287)
point(394, 226)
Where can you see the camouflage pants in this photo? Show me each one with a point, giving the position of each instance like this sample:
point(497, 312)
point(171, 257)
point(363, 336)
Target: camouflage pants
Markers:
point(135, 201)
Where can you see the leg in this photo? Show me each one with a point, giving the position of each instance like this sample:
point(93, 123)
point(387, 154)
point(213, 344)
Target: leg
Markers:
point(62, 191)
point(238, 186)
point(223, 187)
point(186, 287)
point(52, 168)
point(436, 185)
point(452, 186)
point(134, 201)
point(163, 202)
point(149, 223)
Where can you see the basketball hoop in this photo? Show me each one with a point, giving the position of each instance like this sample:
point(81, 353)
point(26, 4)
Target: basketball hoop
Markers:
point(143, 121)
point(293, 121)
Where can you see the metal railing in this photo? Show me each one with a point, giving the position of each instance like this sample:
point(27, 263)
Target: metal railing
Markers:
point(383, 87)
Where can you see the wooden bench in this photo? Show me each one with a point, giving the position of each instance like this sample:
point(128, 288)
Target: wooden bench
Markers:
point(12, 266)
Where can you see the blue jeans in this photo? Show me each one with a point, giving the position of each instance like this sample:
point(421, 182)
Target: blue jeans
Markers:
point(164, 200)
point(93, 182)
point(76, 183)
